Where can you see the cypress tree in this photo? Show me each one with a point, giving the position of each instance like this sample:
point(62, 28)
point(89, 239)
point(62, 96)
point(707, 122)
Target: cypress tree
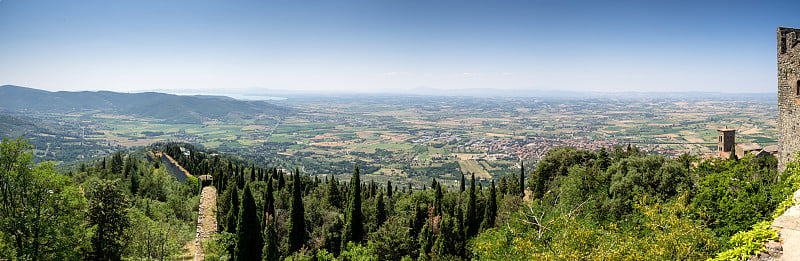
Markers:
point(134, 186)
point(471, 220)
point(522, 179)
point(491, 209)
point(354, 227)
point(248, 232)
point(297, 225)
point(116, 163)
point(418, 219)
point(269, 199)
point(233, 211)
point(281, 181)
point(380, 209)
point(372, 188)
point(503, 185)
point(270, 251)
point(334, 196)
point(446, 240)
point(438, 196)
point(426, 240)
point(389, 189)
point(462, 182)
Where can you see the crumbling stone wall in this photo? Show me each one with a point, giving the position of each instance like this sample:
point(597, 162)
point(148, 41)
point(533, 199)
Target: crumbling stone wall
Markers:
point(173, 168)
point(788, 94)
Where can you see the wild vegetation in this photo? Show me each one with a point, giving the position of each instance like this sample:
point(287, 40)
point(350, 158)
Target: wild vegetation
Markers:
point(119, 207)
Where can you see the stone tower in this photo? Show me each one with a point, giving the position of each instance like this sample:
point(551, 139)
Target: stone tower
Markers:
point(788, 94)
point(726, 139)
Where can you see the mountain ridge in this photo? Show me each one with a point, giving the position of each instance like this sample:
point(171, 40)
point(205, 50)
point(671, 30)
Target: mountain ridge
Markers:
point(169, 107)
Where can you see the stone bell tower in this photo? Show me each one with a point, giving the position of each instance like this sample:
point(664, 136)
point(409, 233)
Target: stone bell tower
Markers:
point(788, 94)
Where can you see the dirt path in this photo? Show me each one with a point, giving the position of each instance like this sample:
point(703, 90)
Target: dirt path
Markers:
point(206, 220)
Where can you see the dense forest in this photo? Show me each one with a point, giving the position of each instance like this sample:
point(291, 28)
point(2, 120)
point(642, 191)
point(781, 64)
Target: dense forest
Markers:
point(572, 204)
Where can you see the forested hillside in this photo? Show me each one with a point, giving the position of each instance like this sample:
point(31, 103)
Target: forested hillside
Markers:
point(578, 205)
point(168, 107)
point(573, 204)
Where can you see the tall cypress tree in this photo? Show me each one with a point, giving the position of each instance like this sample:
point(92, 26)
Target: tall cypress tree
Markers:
point(438, 196)
point(380, 209)
point(233, 211)
point(354, 227)
point(471, 220)
point(521, 179)
point(281, 181)
point(463, 186)
point(269, 200)
point(270, 251)
point(248, 232)
point(389, 189)
point(334, 195)
point(491, 209)
point(297, 225)
point(372, 188)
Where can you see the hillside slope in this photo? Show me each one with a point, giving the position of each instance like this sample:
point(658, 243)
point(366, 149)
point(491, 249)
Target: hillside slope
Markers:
point(171, 108)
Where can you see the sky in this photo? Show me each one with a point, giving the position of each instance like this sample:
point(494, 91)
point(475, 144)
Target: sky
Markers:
point(392, 45)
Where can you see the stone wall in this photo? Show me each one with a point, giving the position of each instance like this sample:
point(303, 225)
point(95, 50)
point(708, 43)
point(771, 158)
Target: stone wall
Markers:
point(788, 94)
point(173, 168)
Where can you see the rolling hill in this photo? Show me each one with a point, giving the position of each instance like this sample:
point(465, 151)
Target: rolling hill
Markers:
point(168, 107)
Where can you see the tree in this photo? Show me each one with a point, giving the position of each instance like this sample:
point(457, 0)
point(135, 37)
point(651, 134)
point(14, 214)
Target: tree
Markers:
point(392, 240)
point(491, 209)
point(733, 155)
point(233, 212)
point(462, 185)
point(269, 200)
point(334, 195)
point(134, 185)
point(297, 225)
point(521, 179)
point(686, 160)
point(354, 221)
point(249, 242)
point(556, 163)
point(281, 181)
point(108, 213)
point(389, 188)
point(116, 163)
point(41, 212)
point(270, 251)
point(380, 209)
point(472, 223)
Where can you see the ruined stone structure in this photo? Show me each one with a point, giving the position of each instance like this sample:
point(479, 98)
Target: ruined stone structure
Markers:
point(788, 94)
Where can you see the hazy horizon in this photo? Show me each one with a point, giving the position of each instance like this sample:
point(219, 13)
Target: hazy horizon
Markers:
point(392, 46)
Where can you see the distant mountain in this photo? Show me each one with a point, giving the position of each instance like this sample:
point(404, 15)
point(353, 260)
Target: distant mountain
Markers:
point(168, 107)
point(278, 94)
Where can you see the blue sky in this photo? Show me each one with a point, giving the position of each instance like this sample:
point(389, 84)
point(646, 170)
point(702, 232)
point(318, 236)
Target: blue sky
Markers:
point(391, 46)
